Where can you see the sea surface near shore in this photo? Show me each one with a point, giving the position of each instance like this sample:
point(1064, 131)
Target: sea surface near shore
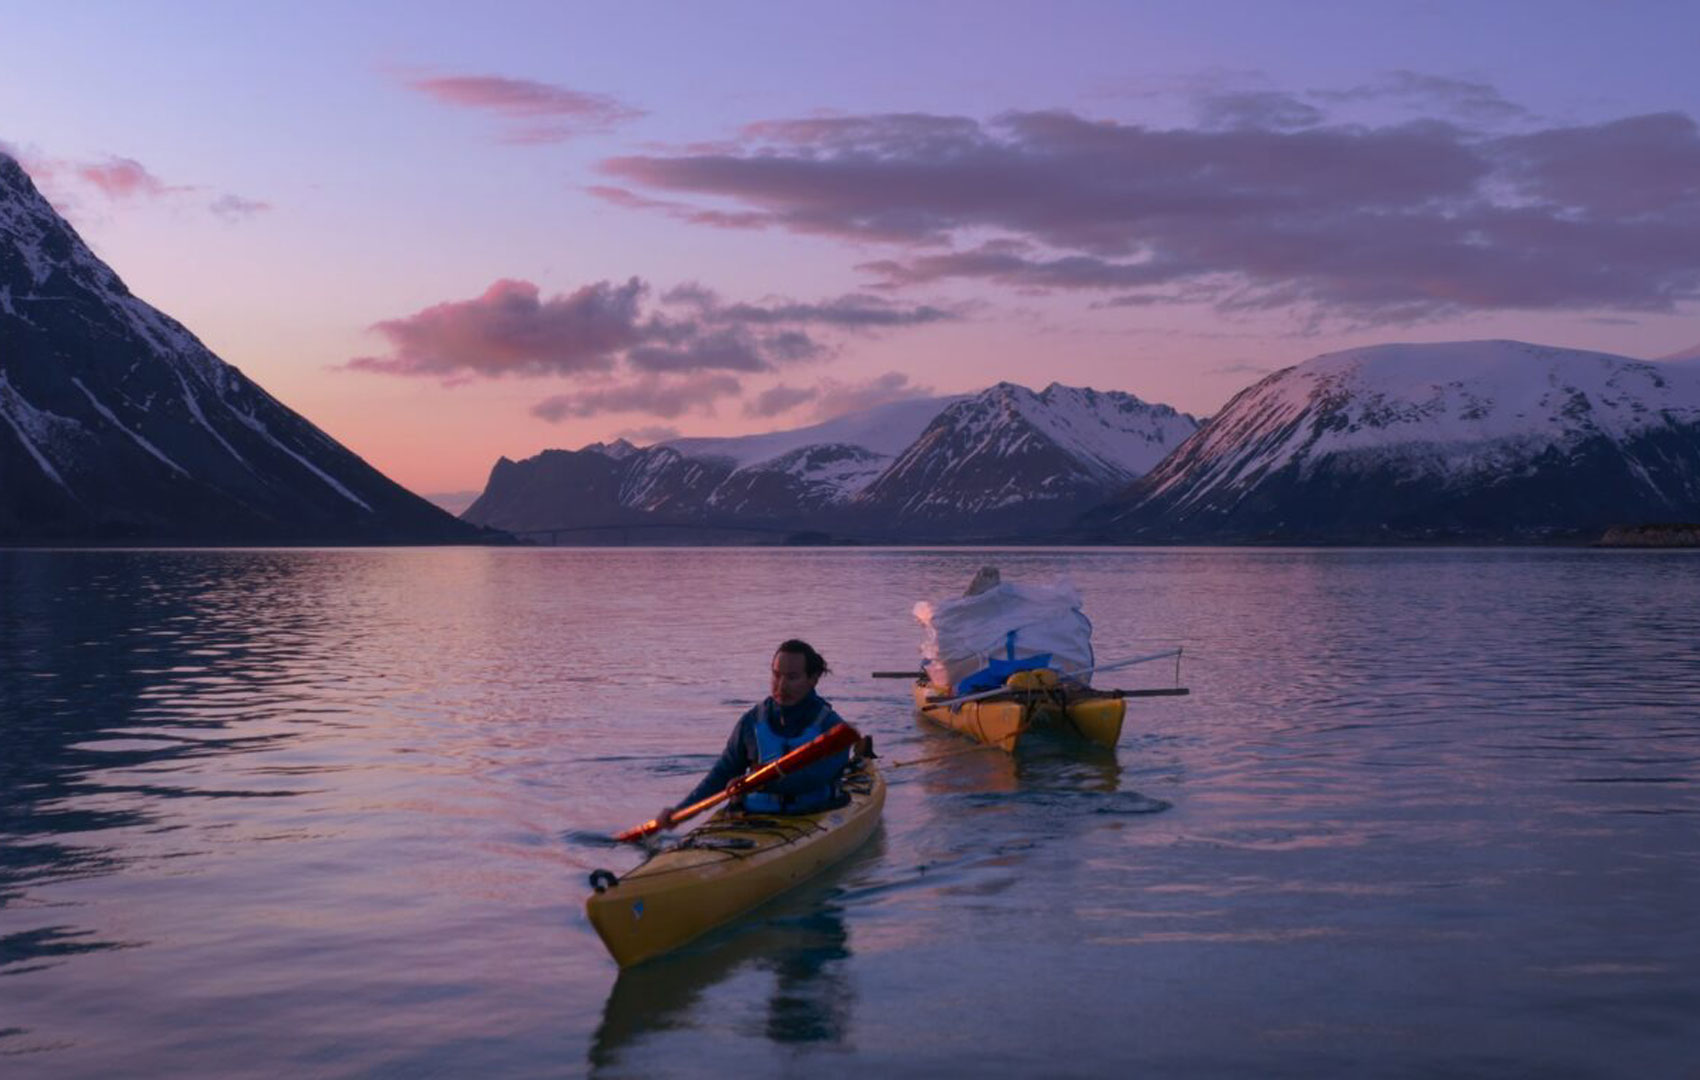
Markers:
point(331, 812)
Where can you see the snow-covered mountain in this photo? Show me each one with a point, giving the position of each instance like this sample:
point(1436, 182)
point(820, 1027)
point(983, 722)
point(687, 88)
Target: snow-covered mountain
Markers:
point(884, 430)
point(1007, 453)
point(773, 480)
point(117, 424)
point(982, 464)
point(1470, 440)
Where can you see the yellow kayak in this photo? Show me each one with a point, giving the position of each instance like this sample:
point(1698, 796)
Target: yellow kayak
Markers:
point(725, 867)
point(1001, 720)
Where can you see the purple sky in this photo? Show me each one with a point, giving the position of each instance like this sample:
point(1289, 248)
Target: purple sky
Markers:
point(446, 237)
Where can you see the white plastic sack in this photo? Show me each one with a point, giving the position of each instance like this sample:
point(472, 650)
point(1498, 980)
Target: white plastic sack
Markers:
point(960, 635)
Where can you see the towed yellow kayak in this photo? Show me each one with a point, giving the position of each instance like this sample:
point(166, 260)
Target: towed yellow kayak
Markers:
point(1031, 699)
point(725, 867)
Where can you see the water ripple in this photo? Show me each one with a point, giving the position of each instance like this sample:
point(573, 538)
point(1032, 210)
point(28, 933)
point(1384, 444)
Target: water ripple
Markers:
point(343, 801)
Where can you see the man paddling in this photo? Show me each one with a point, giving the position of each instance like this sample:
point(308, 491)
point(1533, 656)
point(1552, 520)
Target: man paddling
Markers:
point(792, 714)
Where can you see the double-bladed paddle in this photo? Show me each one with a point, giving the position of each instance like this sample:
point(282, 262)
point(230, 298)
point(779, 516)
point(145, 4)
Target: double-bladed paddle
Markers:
point(840, 736)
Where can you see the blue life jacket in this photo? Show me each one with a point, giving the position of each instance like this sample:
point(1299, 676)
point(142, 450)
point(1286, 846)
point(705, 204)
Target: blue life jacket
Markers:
point(771, 745)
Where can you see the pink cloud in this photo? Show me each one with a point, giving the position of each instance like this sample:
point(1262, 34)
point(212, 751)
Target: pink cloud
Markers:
point(1266, 110)
point(121, 178)
point(684, 354)
point(235, 207)
point(851, 312)
point(623, 197)
point(647, 434)
point(778, 399)
point(1241, 368)
point(1471, 100)
point(511, 330)
point(619, 196)
point(1014, 264)
point(724, 349)
point(836, 398)
point(1268, 208)
point(652, 395)
point(548, 113)
point(1642, 165)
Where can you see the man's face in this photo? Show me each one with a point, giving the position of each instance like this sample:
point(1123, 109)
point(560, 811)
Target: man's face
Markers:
point(790, 682)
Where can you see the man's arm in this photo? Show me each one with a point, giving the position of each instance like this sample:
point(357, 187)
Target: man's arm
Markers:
point(735, 760)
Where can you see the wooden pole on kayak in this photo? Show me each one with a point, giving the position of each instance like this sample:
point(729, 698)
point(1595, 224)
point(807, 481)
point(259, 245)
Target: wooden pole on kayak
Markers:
point(840, 736)
point(1063, 674)
point(922, 673)
point(1124, 663)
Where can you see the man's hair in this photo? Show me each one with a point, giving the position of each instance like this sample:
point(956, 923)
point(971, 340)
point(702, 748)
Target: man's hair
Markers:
point(814, 664)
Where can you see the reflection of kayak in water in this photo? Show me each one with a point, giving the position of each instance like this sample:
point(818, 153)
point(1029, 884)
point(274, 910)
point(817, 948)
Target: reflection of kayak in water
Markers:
point(725, 867)
point(1029, 701)
point(802, 946)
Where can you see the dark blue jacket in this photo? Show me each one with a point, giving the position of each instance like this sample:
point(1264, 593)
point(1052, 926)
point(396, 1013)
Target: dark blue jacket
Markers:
point(742, 753)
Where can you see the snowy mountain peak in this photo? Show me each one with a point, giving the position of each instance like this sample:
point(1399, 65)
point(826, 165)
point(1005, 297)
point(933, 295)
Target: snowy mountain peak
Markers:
point(1456, 433)
point(117, 423)
point(928, 467)
point(1111, 431)
point(45, 263)
point(1008, 447)
point(618, 450)
point(1468, 392)
point(36, 243)
point(884, 429)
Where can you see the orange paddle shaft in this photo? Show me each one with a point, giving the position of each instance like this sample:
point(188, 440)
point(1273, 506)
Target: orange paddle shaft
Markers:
point(840, 737)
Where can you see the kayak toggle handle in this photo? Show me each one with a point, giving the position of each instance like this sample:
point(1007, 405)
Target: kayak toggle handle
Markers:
point(603, 880)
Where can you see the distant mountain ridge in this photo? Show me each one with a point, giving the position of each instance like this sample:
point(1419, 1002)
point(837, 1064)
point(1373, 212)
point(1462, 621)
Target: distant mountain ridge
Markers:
point(1472, 441)
point(914, 469)
point(883, 429)
point(118, 424)
point(1006, 453)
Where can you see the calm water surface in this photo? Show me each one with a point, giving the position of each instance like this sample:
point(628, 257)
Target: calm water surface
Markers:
point(329, 813)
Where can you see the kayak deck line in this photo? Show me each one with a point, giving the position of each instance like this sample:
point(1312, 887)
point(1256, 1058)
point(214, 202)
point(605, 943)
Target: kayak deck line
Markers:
point(948, 701)
point(1001, 718)
point(726, 867)
point(706, 837)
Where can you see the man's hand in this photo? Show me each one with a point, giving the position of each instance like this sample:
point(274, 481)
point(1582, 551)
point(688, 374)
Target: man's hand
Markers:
point(665, 817)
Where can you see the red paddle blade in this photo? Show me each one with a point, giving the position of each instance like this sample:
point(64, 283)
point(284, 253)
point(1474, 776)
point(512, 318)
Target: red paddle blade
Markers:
point(840, 736)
